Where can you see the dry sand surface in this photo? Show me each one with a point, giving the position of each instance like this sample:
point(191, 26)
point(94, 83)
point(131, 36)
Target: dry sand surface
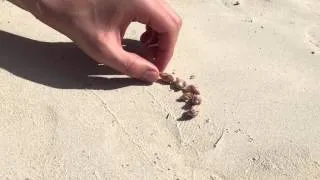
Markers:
point(257, 65)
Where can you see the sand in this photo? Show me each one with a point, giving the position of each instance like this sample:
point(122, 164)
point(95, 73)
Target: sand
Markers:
point(257, 65)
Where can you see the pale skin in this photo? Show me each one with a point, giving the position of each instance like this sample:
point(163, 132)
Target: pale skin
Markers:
point(98, 27)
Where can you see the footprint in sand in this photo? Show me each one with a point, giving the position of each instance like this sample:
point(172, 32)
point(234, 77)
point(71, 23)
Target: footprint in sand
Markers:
point(312, 37)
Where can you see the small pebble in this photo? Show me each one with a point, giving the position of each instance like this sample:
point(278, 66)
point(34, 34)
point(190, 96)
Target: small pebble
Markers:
point(238, 130)
point(236, 3)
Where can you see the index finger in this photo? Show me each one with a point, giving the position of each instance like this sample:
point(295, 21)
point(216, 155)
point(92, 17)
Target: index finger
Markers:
point(167, 24)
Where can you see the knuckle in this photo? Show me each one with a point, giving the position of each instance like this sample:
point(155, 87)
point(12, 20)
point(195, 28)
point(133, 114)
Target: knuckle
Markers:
point(98, 42)
point(129, 66)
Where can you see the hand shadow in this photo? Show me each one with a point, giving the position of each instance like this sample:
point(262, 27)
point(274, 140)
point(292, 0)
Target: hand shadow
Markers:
point(60, 65)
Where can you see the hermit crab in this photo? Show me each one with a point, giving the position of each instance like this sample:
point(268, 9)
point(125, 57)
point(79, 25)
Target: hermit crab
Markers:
point(185, 97)
point(166, 78)
point(179, 84)
point(191, 113)
point(195, 100)
point(191, 95)
point(192, 89)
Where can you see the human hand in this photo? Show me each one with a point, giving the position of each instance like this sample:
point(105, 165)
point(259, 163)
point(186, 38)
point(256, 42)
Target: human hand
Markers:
point(98, 27)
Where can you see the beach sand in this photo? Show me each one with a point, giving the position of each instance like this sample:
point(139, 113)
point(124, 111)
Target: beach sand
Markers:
point(257, 65)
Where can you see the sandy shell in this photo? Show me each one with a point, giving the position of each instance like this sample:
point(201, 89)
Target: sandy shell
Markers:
point(167, 78)
point(179, 84)
point(192, 113)
point(196, 100)
point(185, 97)
point(192, 88)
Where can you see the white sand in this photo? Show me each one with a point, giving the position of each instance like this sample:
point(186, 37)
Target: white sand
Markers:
point(253, 63)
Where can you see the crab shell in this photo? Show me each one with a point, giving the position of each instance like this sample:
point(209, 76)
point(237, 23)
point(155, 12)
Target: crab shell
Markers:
point(167, 78)
point(196, 100)
point(192, 113)
point(192, 88)
point(179, 84)
point(186, 97)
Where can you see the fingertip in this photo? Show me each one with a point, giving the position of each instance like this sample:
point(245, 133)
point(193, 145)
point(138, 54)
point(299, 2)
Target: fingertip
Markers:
point(162, 61)
point(138, 67)
point(150, 75)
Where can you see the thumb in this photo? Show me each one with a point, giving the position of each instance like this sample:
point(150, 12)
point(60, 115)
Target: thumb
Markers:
point(112, 54)
point(133, 65)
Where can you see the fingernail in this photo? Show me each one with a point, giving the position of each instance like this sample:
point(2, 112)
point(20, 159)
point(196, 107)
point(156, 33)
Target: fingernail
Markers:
point(150, 75)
